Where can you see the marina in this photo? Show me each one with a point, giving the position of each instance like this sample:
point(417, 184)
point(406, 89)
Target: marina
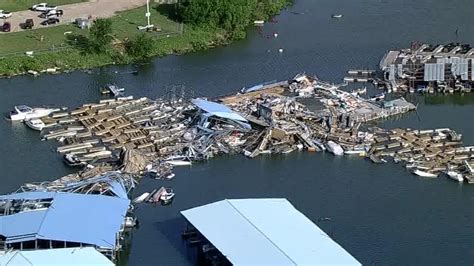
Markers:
point(365, 204)
point(265, 119)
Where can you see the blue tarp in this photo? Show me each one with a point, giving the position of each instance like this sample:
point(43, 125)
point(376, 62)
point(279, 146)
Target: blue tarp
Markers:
point(62, 256)
point(218, 109)
point(266, 232)
point(88, 219)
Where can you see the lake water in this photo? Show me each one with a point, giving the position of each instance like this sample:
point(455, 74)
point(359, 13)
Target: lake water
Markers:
point(381, 214)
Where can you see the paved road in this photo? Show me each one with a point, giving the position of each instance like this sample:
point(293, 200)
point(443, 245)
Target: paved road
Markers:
point(94, 8)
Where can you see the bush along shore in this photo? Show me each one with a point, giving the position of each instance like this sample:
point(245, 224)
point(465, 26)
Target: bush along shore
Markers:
point(204, 28)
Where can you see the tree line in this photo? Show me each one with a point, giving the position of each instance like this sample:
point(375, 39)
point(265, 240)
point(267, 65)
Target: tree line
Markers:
point(231, 15)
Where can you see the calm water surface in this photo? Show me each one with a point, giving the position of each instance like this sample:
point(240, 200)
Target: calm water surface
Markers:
point(380, 213)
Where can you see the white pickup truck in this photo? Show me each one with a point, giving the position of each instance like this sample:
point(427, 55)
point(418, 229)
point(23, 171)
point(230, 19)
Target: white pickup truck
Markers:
point(5, 14)
point(43, 7)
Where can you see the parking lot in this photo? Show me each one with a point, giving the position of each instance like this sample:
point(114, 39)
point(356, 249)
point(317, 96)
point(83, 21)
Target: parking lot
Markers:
point(94, 8)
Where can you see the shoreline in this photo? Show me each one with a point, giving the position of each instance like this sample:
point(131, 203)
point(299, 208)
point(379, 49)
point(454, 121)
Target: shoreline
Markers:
point(189, 39)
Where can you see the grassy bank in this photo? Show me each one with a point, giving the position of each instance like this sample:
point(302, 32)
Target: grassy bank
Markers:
point(53, 48)
point(18, 5)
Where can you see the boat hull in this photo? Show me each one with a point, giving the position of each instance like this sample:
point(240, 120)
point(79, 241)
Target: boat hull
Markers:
point(424, 174)
point(35, 124)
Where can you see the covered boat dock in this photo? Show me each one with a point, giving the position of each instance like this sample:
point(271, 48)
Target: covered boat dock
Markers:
point(47, 220)
point(261, 232)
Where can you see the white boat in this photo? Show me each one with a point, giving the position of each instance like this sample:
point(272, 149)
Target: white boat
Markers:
point(24, 112)
point(178, 160)
point(336, 16)
point(359, 91)
point(35, 123)
point(360, 152)
point(167, 196)
point(455, 176)
point(130, 222)
point(424, 174)
point(72, 160)
point(141, 198)
point(335, 148)
point(170, 176)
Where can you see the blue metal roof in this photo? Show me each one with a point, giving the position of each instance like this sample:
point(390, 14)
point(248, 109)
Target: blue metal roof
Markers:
point(63, 256)
point(265, 231)
point(88, 219)
point(218, 109)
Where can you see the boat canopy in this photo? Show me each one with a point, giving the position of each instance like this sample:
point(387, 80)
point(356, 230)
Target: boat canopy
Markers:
point(265, 232)
point(23, 108)
point(70, 217)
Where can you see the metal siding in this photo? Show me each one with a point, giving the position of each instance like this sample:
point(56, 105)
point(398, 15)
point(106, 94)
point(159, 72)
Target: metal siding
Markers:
point(218, 109)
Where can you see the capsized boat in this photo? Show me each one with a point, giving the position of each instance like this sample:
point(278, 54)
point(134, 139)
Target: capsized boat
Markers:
point(335, 148)
point(35, 123)
point(24, 112)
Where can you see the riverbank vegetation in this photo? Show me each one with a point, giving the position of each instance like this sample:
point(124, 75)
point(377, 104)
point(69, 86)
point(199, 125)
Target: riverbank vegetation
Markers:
point(117, 40)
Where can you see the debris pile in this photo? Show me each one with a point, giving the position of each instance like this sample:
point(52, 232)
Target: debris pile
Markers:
point(272, 118)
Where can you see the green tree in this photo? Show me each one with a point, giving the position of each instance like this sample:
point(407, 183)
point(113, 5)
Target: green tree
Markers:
point(139, 47)
point(231, 15)
point(100, 35)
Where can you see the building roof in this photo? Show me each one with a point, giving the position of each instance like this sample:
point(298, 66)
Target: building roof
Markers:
point(71, 217)
point(63, 256)
point(218, 109)
point(265, 231)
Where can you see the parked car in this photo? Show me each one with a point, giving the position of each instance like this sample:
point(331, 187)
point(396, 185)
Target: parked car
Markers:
point(6, 27)
point(28, 24)
point(5, 14)
point(43, 7)
point(49, 21)
point(52, 13)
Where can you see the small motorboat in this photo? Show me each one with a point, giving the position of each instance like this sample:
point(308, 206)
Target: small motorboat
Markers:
point(378, 97)
point(72, 160)
point(335, 148)
point(141, 198)
point(455, 176)
point(359, 91)
point(167, 196)
point(24, 112)
point(424, 174)
point(113, 89)
point(170, 176)
point(336, 16)
point(35, 124)
point(130, 222)
point(164, 196)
